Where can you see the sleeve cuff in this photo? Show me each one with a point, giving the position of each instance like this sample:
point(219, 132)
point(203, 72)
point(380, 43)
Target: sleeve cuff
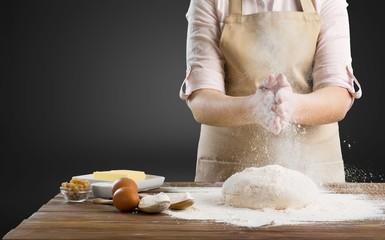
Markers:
point(351, 83)
point(200, 78)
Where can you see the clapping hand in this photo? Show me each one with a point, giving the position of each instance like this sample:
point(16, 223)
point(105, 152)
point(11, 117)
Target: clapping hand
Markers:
point(274, 106)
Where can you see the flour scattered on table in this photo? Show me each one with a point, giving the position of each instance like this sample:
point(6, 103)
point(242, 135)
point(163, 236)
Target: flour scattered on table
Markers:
point(330, 207)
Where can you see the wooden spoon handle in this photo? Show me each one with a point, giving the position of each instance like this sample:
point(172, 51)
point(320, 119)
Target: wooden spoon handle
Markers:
point(182, 204)
point(103, 201)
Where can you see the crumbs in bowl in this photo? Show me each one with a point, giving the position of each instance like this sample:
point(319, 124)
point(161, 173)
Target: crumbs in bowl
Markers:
point(77, 190)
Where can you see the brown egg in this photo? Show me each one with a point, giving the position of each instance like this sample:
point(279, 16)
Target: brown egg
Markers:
point(124, 182)
point(125, 199)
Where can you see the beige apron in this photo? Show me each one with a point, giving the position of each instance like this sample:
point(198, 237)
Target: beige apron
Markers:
point(254, 46)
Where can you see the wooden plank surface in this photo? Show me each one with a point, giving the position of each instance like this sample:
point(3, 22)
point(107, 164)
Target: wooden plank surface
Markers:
point(60, 220)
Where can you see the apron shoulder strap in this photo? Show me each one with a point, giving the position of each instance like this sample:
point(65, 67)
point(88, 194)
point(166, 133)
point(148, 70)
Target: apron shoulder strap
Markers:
point(307, 6)
point(235, 7)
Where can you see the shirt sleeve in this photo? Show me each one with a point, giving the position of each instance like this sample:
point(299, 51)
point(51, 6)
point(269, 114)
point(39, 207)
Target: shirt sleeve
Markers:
point(205, 64)
point(332, 63)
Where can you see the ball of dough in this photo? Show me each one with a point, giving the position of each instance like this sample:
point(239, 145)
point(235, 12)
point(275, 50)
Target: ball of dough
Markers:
point(271, 186)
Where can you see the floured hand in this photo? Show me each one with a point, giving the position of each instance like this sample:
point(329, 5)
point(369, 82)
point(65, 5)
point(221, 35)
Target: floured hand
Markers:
point(272, 101)
point(283, 98)
point(264, 105)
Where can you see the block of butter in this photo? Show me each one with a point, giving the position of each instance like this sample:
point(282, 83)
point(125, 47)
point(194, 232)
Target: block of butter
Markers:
point(112, 175)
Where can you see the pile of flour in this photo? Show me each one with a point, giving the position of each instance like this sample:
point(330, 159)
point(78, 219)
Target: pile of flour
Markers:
point(330, 207)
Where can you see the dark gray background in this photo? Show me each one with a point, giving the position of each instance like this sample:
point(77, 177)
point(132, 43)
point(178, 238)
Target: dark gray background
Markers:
point(93, 85)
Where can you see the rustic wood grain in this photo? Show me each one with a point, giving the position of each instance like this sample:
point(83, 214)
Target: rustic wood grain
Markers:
point(60, 220)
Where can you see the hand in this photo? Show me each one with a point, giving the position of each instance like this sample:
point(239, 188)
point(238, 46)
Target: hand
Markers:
point(273, 105)
point(284, 100)
point(264, 106)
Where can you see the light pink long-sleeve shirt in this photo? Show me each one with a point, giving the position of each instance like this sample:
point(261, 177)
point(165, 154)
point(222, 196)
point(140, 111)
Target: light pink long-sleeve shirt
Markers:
point(205, 64)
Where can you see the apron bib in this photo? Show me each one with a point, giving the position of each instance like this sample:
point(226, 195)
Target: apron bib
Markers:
point(254, 46)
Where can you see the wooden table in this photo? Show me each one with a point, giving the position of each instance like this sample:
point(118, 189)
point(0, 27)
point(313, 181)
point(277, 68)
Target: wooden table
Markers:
point(60, 220)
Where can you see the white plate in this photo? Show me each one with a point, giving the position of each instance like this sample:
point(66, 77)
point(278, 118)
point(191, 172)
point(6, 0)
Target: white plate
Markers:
point(103, 189)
